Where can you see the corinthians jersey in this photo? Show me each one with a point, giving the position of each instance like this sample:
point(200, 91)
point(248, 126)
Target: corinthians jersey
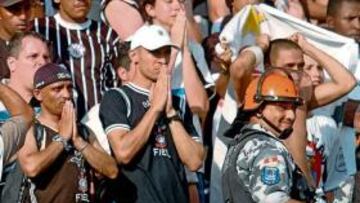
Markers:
point(87, 50)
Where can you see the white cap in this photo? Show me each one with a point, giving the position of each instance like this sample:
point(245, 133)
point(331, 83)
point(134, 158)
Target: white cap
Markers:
point(151, 37)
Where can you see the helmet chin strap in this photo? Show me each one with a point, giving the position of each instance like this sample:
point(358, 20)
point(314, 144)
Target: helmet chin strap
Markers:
point(283, 134)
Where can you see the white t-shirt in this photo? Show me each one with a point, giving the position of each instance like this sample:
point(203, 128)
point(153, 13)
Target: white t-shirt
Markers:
point(336, 145)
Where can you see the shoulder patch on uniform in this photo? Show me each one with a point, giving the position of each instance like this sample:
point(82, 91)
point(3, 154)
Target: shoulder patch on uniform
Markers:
point(270, 175)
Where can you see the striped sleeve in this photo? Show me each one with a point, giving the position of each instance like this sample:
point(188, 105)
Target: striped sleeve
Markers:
point(113, 112)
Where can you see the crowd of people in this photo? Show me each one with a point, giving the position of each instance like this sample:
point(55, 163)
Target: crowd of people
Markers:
point(119, 101)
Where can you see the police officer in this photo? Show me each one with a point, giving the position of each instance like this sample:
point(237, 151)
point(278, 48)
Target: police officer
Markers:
point(258, 167)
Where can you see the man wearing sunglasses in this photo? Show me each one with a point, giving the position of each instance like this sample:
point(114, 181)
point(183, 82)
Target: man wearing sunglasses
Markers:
point(14, 17)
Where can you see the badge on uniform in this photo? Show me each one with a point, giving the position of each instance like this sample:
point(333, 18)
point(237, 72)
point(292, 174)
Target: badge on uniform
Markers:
point(270, 175)
point(76, 50)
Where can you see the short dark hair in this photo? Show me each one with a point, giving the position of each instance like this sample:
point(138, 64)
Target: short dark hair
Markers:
point(15, 43)
point(334, 5)
point(122, 59)
point(277, 45)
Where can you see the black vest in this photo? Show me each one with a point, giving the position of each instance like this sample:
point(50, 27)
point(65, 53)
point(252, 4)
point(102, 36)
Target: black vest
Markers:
point(233, 188)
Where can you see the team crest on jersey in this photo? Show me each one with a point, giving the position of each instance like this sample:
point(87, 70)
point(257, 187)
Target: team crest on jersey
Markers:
point(270, 175)
point(76, 50)
point(160, 145)
point(160, 140)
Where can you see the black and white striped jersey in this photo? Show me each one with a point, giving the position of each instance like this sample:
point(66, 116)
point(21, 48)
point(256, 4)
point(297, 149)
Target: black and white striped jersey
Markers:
point(87, 50)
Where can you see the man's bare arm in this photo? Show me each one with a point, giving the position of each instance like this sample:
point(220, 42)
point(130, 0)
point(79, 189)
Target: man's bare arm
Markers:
point(33, 161)
point(97, 157)
point(191, 153)
point(116, 10)
point(15, 104)
point(342, 80)
point(126, 144)
point(194, 89)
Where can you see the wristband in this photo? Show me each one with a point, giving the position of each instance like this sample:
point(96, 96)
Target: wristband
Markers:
point(257, 51)
point(63, 141)
point(175, 117)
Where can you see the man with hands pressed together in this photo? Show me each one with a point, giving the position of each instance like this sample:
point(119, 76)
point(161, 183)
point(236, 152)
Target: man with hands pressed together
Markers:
point(145, 133)
point(58, 162)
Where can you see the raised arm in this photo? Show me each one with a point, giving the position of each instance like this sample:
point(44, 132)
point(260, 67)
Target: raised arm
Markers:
point(116, 10)
point(194, 89)
point(15, 104)
point(244, 65)
point(342, 81)
point(13, 131)
point(193, 27)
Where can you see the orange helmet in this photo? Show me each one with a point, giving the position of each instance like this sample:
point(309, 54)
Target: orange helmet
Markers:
point(272, 86)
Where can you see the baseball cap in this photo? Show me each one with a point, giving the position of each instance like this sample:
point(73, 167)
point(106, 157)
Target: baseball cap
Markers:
point(151, 37)
point(6, 3)
point(50, 73)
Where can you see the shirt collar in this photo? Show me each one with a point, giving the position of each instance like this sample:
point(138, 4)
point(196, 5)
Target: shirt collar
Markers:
point(70, 25)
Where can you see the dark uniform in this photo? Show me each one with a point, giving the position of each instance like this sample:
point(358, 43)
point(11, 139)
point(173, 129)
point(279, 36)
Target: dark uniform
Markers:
point(259, 168)
point(156, 174)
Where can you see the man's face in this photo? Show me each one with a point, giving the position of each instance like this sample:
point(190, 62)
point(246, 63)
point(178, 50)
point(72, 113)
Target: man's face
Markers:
point(280, 114)
point(315, 71)
point(347, 20)
point(164, 12)
point(54, 96)
point(289, 59)
point(33, 54)
point(15, 18)
point(74, 10)
point(151, 62)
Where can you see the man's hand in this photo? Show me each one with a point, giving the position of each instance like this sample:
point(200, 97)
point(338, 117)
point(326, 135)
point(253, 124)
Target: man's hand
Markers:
point(159, 92)
point(303, 83)
point(66, 121)
point(300, 40)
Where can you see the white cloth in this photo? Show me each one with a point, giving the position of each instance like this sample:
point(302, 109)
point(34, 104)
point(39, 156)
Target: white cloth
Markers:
point(255, 19)
point(322, 130)
point(198, 53)
point(339, 151)
point(92, 121)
